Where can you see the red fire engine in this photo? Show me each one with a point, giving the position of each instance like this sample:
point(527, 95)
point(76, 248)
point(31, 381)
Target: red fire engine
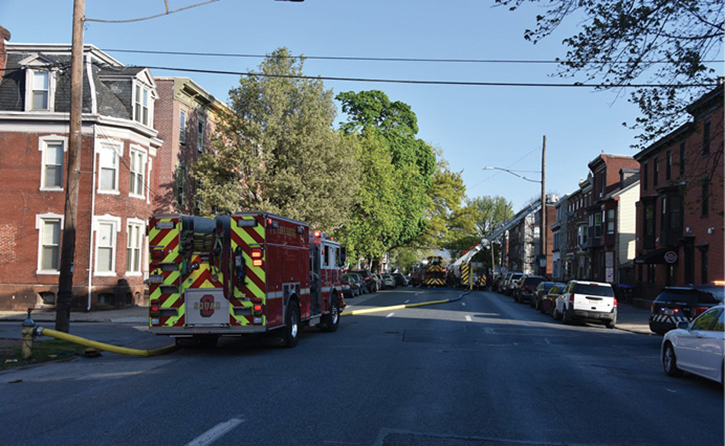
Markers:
point(252, 272)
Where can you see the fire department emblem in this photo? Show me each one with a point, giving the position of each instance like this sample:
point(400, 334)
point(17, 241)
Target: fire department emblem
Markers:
point(206, 306)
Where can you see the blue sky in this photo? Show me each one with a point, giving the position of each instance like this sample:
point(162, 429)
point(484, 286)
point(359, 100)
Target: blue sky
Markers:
point(475, 126)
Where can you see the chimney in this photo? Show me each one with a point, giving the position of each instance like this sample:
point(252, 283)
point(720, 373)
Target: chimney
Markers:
point(4, 36)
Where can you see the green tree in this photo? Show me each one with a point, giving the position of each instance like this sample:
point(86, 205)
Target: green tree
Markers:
point(381, 123)
point(277, 149)
point(373, 220)
point(477, 219)
point(445, 197)
point(667, 42)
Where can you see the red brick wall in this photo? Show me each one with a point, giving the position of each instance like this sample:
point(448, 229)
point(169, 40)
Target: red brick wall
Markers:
point(20, 283)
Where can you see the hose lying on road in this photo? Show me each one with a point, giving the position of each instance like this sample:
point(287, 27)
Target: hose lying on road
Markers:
point(40, 331)
point(398, 307)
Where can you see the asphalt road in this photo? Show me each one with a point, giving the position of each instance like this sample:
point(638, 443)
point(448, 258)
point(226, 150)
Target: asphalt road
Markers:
point(480, 371)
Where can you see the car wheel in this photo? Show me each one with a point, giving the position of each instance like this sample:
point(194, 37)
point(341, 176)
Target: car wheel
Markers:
point(331, 321)
point(669, 361)
point(565, 316)
point(610, 324)
point(292, 329)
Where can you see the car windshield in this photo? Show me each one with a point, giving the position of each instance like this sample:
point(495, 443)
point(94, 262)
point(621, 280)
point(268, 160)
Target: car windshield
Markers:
point(533, 281)
point(593, 289)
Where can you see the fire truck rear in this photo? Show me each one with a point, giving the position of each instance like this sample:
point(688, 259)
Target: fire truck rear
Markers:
point(248, 273)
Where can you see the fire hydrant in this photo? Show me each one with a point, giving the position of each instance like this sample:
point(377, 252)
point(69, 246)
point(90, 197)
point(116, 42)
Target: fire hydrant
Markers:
point(28, 336)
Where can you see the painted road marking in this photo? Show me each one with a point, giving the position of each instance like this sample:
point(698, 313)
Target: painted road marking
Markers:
point(463, 304)
point(389, 315)
point(407, 301)
point(468, 318)
point(215, 432)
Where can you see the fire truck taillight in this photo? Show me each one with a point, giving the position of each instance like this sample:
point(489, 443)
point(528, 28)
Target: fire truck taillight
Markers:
point(257, 255)
point(318, 234)
point(154, 311)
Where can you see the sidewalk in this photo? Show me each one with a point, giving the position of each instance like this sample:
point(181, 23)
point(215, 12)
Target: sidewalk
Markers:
point(629, 318)
point(131, 315)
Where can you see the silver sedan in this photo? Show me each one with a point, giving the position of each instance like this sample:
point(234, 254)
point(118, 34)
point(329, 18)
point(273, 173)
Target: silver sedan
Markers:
point(697, 347)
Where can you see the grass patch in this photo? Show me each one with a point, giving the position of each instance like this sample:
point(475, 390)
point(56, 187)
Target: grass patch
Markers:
point(43, 351)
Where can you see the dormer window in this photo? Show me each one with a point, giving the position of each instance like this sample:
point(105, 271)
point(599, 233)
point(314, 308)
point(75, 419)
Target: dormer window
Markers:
point(39, 91)
point(141, 105)
point(39, 82)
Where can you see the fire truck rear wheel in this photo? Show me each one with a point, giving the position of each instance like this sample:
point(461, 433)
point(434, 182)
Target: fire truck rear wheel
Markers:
point(292, 330)
point(331, 321)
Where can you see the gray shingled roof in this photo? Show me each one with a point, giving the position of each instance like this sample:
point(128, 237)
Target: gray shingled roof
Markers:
point(113, 86)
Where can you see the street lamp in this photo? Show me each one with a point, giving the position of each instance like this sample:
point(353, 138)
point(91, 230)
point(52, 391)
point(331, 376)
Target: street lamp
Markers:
point(542, 222)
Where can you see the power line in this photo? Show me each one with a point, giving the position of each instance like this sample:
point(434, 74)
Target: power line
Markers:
point(372, 59)
point(429, 82)
point(86, 19)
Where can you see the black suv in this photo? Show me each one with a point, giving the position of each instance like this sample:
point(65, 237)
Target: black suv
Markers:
point(371, 284)
point(682, 304)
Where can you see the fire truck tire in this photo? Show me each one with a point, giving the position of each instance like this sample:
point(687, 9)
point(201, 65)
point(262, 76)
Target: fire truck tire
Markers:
point(292, 322)
point(331, 321)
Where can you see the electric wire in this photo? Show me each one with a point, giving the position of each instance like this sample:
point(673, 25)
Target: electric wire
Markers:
point(375, 59)
point(427, 82)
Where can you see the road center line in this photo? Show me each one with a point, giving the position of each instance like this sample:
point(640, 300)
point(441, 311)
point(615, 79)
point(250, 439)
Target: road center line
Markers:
point(215, 432)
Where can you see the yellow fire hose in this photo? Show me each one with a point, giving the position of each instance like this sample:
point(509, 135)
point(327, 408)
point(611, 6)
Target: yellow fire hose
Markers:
point(40, 331)
point(398, 307)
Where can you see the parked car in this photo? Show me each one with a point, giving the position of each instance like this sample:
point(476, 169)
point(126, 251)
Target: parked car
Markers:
point(591, 301)
point(378, 281)
point(400, 279)
point(388, 280)
point(350, 287)
point(525, 288)
point(696, 347)
point(497, 284)
point(360, 282)
point(541, 293)
point(511, 283)
point(548, 300)
point(682, 304)
point(367, 277)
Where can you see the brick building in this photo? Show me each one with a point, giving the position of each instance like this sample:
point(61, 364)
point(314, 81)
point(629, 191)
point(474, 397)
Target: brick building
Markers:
point(118, 150)
point(680, 211)
point(603, 214)
point(185, 117)
point(576, 262)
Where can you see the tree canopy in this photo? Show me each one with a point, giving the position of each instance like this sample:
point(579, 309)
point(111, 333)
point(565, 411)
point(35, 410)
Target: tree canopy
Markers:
point(667, 42)
point(397, 170)
point(276, 150)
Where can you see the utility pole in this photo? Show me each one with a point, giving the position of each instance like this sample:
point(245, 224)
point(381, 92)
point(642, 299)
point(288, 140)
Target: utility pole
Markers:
point(65, 283)
point(542, 222)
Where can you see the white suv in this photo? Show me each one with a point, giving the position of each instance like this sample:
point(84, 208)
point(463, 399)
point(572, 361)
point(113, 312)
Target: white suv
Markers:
point(588, 301)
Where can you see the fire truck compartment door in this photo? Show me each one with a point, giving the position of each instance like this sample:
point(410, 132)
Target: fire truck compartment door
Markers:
point(207, 308)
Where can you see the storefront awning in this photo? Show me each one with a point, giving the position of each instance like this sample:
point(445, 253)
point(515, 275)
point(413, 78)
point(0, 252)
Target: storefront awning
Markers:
point(667, 256)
